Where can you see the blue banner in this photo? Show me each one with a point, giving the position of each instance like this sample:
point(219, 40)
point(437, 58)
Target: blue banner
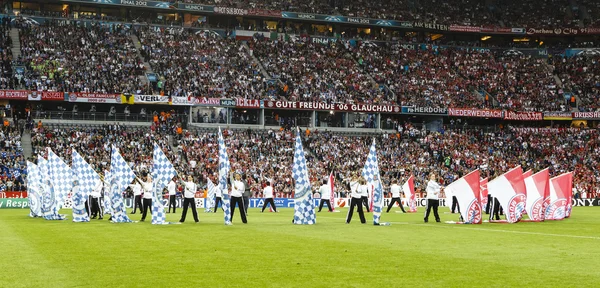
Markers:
point(348, 20)
point(137, 3)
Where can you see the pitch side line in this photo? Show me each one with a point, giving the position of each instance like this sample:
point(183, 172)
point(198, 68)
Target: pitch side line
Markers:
point(510, 231)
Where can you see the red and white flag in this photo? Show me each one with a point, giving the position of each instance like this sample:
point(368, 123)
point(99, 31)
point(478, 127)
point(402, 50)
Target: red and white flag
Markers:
point(561, 188)
point(510, 191)
point(537, 186)
point(409, 192)
point(525, 175)
point(468, 196)
point(484, 193)
point(331, 184)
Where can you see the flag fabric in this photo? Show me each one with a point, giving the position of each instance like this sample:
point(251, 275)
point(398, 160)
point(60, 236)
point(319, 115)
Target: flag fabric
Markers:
point(538, 187)
point(46, 189)
point(560, 188)
point(107, 197)
point(224, 167)
point(468, 196)
point(569, 194)
point(62, 178)
point(33, 192)
point(331, 184)
point(484, 193)
point(210, 197)
point(87, 179)
point(162, 172)
point(122, 176)
point(371, 173)
point(304, 206)
point(510, 191)
point(409, 192)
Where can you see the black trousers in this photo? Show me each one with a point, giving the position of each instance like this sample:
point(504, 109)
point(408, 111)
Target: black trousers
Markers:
point(495, 209)
point(269, 201)
point(325, 201)
point(432, 203)
point(395, 200)
point(137, 203)
point(246, 204)
point(365, 201)
point(217, 201)
point(489, 204)
point(358, 202)
point(455, 205)
point(188, 202)
point(87, 207)
point(172, 203)
point(96, 208)
point(240, 203)
point(147, 206)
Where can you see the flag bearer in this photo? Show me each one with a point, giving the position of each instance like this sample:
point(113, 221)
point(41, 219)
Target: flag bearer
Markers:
point(358, 187)
point(189, 199)
point(433, 190)
point(395, 190)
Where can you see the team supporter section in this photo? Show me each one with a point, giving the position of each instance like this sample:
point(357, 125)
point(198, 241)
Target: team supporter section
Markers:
point(581, 75)
point(419, 77)
point(306, 6)
point(201, 64)
point(66, 57)
point(535, 13)
point(315, 72)
point(7, 79)
point(12, 162)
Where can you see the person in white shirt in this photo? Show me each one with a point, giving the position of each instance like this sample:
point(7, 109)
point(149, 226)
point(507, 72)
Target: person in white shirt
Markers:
point(147, 190)
point(325, 192)
point(237, 191)
point(171, 188)
point(268, 195)
point(218, 196)
point(358, 187)
point(137, 196)
point(395, 190)
point(96, 207)
point(189, 199)
point(433, 190)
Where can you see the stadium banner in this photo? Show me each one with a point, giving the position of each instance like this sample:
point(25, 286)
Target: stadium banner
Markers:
point(347, 20)
point(523, 116)
point(151, 99)
point(247, 103)
point(472, 112)
point(35, 96)
point(137, 3)
point(460, 28)
point(431, 26)
point(93, 97)
point(14, 94)
point(8, 203)
point(231, 11)
point(182, 101)
point(563, 31)
point(424, 110)
point(325, 106)
point(14, 194)
point(195, 7)
point(203, 101)
point(586, 115)
point(53, 96)
point(586, 202)
point(227, 102)
point(264, 13)
point(549, 115)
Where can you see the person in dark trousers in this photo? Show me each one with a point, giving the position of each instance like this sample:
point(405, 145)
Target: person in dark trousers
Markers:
point(455, 208)
point(364, 196)
point(325, 192)
point(268, 195)
point(172, 190)
point(357, 187)
point(96, 205)
point(147, 190)
point(246, 195)
point(189, 199)
point(433, 190)
point(137, 197)
point(218, 196)
point(489, 204)
point(494, 209)
point(237, 191)
point(395, 191)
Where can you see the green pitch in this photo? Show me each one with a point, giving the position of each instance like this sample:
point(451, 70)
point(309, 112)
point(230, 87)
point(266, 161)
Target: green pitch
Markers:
point(271, 252)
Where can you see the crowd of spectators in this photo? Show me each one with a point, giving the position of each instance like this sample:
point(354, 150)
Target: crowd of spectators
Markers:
point(268, 154)
point(581, 75)
point(7, 79)
point(12, 162)
point(200, 64)
point(62, 56)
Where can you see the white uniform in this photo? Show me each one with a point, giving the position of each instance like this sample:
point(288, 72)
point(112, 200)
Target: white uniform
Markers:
point(237, 188)
point(190, 189)
point(354, 189)
point(433, 190)
point(171, 188)
point(325, 191)
point(137, 189)
point(268, 192)
point(395, 189)
point(147, 188)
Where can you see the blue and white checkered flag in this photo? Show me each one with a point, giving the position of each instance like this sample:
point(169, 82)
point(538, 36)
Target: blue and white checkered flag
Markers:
point(46, 190)
point(371, 173)
point(224, 167)
point(122, 176)
point(33, 192)
point(87, 179)
point(162, 172)
point(210, 198)
point(304, 206)
point(61, 177)
point(108, 207)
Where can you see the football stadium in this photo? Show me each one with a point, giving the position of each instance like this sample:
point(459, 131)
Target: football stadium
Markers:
point(306, 143)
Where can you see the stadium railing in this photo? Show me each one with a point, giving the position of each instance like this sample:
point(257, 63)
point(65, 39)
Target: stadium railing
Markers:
point(93, 116)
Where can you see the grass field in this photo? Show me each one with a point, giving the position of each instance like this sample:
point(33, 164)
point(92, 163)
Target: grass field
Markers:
point(271, 252)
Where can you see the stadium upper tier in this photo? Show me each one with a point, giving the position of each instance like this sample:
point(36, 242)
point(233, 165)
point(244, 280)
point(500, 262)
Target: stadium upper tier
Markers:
point(191, 63)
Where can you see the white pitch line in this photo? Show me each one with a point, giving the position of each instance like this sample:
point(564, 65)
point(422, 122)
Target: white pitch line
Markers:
point(511, 231)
